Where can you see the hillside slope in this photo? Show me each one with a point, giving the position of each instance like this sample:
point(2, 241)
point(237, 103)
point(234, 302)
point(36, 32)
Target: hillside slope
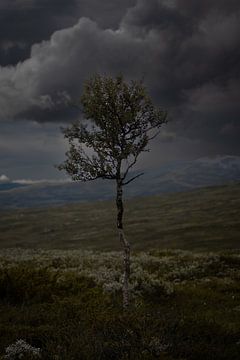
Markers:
point(172, 177)
point(205, 219)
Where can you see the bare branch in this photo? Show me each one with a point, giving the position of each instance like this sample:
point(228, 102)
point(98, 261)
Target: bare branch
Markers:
point(133, 178)
point(130, 166)
point(155, 135)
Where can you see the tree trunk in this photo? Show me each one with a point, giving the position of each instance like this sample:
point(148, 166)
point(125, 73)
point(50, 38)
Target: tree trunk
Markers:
point(125, 244)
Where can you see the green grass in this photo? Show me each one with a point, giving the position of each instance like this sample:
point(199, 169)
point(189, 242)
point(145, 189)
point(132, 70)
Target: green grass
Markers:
point(205, 219)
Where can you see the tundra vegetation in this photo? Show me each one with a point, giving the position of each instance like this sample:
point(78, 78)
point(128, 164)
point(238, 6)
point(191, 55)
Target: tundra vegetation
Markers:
point(120, 120)
point(66, 304)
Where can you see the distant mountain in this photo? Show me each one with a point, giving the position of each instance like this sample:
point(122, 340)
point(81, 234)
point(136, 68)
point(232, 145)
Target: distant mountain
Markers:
point(173, 177)
point(9, 186)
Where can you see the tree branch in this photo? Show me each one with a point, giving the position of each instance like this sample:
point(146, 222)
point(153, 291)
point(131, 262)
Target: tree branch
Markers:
point(133, 178)
point(100, 176)
point(129, 166)
point(155, 135)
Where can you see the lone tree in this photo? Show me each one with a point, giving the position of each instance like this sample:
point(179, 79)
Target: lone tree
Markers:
point(120, 120)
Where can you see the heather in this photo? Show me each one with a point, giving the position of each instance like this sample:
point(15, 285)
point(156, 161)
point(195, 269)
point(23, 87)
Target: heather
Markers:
point(67, 303)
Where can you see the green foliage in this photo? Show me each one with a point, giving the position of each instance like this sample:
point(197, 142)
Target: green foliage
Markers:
point(121, 120)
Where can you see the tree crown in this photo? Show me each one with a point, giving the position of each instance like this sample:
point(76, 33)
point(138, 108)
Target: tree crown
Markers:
point(119, 121)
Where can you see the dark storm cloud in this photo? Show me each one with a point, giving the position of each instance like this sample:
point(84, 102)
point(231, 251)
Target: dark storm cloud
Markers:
point(25, 22)
point(29, 21)
point(187, 52)
point(60, 65)
point(197, 68)
point(198, 42)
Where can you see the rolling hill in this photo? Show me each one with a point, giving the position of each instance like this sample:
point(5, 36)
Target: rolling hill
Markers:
point(173, 177)
point(202, 219)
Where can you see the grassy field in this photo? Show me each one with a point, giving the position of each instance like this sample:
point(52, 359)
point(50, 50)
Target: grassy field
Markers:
point(205, 219)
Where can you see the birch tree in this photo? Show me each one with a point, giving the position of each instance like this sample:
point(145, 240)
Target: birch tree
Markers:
point(119, 121)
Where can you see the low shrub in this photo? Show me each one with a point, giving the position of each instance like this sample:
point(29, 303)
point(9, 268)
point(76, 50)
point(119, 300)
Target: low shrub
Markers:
point(184, 306)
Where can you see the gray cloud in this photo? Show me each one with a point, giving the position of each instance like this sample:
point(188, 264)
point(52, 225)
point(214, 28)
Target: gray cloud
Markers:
point(60, 65)
point(4, 179)
point(198, 72)
point(30, 150)
point(188, 53)
point(26, 22)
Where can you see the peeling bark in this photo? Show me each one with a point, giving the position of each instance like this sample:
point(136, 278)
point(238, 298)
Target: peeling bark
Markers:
point(125, 245)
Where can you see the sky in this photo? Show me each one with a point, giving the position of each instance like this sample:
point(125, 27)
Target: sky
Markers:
point(187, 52)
